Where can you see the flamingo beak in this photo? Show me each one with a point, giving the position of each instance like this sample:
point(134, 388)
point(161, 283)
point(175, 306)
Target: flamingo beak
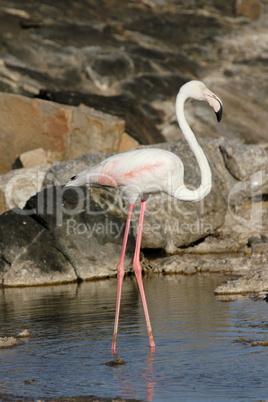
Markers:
point(214, 102)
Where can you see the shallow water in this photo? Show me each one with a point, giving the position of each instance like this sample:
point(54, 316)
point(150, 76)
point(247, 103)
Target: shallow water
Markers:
point(196, 357)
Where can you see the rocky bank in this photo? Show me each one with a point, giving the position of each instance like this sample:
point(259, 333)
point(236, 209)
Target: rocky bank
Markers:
point(81, 81)
point(66, 234)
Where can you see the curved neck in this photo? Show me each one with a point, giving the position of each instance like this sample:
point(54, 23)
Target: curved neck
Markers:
point(206, 180)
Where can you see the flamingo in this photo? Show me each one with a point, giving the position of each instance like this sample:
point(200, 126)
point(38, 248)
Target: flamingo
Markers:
point(141, 172)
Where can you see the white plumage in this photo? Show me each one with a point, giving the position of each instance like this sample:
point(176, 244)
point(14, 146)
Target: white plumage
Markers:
point(138, 173)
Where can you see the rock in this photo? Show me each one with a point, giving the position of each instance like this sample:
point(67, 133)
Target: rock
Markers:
point(93, 131)
point(193, 264)
point(115, 362)
point(36, 157)
point(254, 281)
point(80, 239)
point(8, 342)
point(242, 56)
point(17, 164)
point(247, 205)
point(65, 130)
point(259, 343)
point(247, 222)
point(248, 8)
point(261, 248)
point(254, 240)
point(127, 143)
point(29, 255)
point(138, 125)
point(251, 272)
point(253, 343)
point(237, 157)
point(87, 228)
point(259, 245)
point(24, 334)
point(17, 186)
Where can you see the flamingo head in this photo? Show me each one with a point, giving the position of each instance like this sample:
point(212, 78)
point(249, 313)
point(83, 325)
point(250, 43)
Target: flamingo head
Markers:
point(198, 90)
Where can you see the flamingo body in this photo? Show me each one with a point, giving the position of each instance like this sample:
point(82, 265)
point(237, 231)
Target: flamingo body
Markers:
point(142, 172)
point(137, 173)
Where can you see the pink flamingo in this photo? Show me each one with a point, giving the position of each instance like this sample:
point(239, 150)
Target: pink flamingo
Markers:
point(142, 172)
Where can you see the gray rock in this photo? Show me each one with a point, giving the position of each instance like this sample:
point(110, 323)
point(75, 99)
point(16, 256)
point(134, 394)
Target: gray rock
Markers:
point(248, 221)
point(64, 241)
point(193, 264)
point(247, 196)
point(87, 228)
point(254, 281)
point(251, 273)
point(259, 245)
point(243, 160)
point(29, 254)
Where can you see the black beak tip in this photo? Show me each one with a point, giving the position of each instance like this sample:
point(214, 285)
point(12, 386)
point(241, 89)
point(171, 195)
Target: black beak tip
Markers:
point(219, 114)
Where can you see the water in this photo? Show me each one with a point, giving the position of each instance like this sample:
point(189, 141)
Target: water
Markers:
point(197, 356)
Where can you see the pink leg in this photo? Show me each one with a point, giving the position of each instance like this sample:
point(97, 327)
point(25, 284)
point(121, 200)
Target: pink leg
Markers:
point(137, 270)
point(120, 276)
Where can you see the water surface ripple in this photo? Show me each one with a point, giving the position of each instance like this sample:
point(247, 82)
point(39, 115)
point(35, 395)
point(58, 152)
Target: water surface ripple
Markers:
point(197, 356)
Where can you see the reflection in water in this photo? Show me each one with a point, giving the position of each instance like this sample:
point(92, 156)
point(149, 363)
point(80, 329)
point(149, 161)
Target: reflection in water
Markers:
point(196, 355)
point(147, 375)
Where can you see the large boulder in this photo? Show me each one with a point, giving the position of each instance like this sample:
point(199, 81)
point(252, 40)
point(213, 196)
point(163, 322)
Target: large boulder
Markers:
point(138, 125)
point(66, 239)
point(29, 255)
point(247, 212)
point(67, 131)
point(244, 160)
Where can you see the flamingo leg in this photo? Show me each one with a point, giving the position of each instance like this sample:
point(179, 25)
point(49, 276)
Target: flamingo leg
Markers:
point(138, 272)
point(120, 276)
